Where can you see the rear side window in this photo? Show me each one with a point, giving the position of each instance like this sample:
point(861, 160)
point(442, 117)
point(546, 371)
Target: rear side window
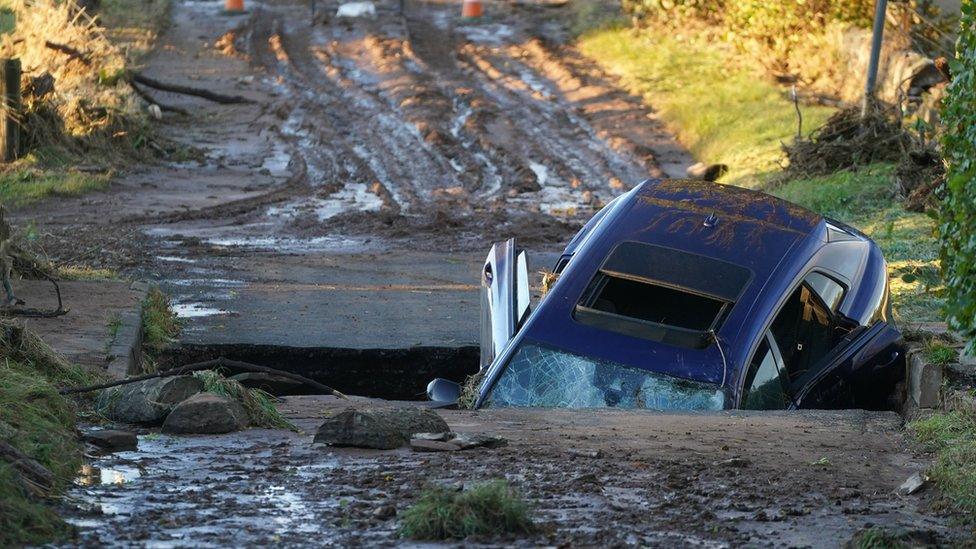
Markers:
point(829, 290)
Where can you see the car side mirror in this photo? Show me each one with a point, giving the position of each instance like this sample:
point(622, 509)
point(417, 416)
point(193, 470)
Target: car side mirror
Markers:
point(443, 390)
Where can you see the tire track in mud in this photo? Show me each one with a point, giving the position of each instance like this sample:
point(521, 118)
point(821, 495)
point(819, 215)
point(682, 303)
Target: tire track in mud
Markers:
point(409, 126)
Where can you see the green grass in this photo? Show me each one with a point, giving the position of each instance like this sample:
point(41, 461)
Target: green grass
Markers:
point(40, 423)
point(939, 352)
point(719, 110)
point(259, 405)
point(21, 186)
point(489, 509)
point(7, 20)
point(952, 436)
point(160, 326)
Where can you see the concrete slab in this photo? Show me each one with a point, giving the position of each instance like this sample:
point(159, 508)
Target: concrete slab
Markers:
point(387, 300)
point(83, 335)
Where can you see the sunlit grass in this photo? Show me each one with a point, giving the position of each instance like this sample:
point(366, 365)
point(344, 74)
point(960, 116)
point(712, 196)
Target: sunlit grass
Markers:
point(21, 186)
point(719, 110)
point(952, 436)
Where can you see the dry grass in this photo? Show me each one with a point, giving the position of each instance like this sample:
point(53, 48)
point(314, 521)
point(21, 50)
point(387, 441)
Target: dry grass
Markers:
point(88, 98)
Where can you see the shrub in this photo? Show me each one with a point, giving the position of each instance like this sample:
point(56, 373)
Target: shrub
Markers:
point(957, 223)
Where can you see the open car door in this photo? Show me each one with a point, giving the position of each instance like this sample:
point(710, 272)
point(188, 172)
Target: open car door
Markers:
point(504, 297)
point(861, 372)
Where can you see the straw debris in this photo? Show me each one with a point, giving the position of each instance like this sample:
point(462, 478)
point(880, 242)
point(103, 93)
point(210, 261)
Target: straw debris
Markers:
point(76, 99)
point(849, 140)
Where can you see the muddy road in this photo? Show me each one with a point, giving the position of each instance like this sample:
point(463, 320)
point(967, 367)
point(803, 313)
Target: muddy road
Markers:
point(350, 205)
point(594, 478)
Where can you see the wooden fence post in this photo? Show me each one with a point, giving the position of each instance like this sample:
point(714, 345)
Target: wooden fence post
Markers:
point(9, 110)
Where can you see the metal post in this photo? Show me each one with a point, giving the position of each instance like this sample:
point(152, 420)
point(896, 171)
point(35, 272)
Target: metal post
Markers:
point(880, 8)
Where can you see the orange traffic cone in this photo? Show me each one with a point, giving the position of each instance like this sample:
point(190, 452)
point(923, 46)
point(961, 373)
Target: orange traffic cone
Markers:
point(234, 5)
point(471, 9)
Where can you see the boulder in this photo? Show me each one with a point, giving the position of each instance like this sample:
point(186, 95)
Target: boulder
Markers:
point(146, 402)
point(112, 440)
point(380, 428)
point(206, 414)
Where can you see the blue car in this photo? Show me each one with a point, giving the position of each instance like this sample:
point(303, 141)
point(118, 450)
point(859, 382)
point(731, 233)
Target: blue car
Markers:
point(691, 295)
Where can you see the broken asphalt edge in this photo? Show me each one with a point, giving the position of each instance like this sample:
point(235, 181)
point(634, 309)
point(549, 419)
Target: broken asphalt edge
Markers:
point(125, 349)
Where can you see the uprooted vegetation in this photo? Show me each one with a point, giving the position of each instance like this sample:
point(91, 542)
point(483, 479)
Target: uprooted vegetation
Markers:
point(76, 101)
point(160, 324)
point(259, 405)
point(80, 118)
point(39, 450)
point(850, 140)
point(488, 509)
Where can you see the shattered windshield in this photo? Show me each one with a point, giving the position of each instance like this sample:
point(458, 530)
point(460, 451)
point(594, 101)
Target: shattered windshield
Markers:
point(547, 378)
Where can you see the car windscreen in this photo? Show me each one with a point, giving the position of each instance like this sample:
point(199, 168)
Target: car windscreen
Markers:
point(540, 376)
point(661, 294)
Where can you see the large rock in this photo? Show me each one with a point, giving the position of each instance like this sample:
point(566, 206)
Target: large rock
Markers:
point(379, 428)
point(146, 402)
point(205, 414)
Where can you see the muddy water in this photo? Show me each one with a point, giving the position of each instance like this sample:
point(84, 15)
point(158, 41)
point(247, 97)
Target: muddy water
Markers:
point(602, 478)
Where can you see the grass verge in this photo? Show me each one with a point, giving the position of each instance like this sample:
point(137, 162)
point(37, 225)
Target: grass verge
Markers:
point(39, 422)
point(952, 436)
point(489, 509)
point(724, 112)
point(28, 184)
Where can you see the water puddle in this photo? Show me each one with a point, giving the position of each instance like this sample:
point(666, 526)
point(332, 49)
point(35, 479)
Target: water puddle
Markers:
point(117, 475)
point(491, 33)
point(353, 197)
point(175, 259)
point(196, 310)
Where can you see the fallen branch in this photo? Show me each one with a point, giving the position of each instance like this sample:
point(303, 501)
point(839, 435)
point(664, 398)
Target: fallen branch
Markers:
point(207, 365)
point(153, 101)
point(72, 53)
point(187, 90)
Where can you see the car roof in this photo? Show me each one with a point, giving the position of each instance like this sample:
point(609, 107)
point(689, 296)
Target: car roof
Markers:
point(747, 228)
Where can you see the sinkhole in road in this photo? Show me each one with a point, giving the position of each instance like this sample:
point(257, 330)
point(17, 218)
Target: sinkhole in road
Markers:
point(392, 374)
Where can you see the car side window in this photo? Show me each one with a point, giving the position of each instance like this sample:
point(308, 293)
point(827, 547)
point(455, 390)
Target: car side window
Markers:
point(804, 331)
point(764, 385)
point(829, 290)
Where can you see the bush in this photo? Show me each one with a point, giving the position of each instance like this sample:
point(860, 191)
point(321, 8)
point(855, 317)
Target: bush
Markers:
point(957, 223)
point(492, 508)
